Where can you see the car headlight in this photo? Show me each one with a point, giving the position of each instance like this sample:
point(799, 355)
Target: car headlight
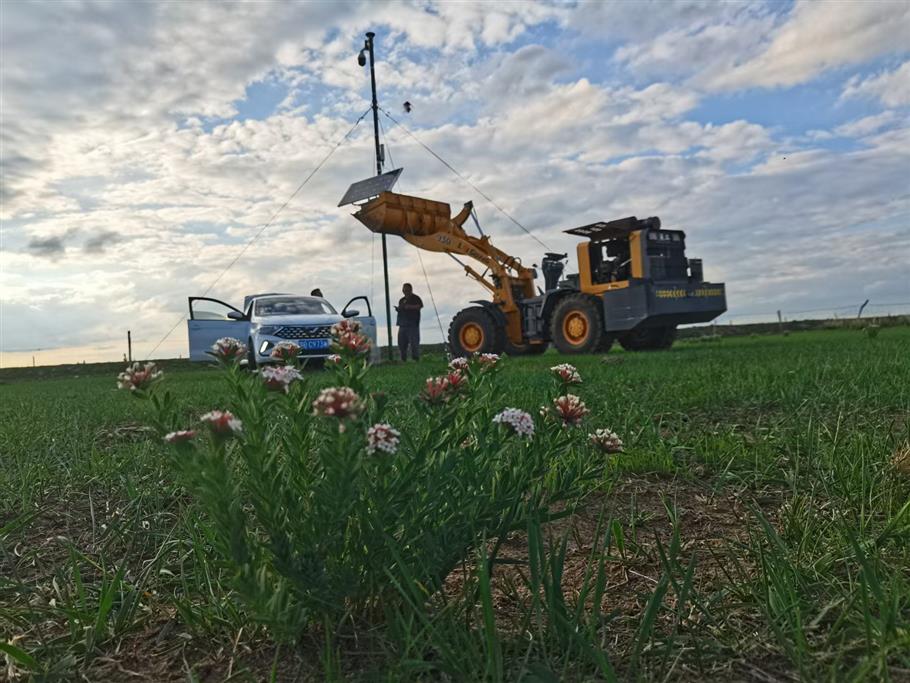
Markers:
point(267, 329)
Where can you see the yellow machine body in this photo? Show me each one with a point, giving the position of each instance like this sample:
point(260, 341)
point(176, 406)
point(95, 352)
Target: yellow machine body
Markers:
point(429, 225)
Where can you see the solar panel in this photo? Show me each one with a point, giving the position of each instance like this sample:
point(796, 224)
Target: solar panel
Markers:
point(371, 187)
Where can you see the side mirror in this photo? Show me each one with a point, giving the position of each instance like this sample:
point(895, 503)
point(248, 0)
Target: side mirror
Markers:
point(353, 313)
point(235, 315)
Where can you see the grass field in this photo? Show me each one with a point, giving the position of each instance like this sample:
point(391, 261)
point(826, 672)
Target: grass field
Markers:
point(756, 527)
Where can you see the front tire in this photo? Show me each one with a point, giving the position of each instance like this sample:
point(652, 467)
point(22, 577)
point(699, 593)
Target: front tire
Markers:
point(474, 330)
point(577, 325)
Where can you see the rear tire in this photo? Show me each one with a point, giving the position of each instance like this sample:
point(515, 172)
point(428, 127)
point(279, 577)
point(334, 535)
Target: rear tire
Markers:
point(649, 338)
point(475, 330)
point(576, 325)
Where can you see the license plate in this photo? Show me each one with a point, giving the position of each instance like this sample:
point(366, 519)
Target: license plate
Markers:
point(314, 344)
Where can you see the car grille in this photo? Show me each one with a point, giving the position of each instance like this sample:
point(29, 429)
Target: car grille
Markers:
point(300, 332)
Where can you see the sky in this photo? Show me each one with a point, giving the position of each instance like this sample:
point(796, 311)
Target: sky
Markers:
point(145, 144)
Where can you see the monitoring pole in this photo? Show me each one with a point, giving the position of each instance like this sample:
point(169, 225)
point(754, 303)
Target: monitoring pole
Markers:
point(385, 259)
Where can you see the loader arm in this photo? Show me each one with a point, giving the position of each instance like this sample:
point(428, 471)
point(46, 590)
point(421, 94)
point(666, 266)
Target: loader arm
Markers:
point(429, 225)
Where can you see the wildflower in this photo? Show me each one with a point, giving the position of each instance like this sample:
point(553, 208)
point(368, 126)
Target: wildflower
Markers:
point(487, 360)
point(519, 420)
point(457, 381)
point(228, 349)
point(353, 342)
point(606, 440)
point(346, 326)
point(568, 374)
point(382, 437)
point(333, 358)
point(223, 423)
point(137, 377)
point(182, 436)
point(570, 409)
point(436, 390)
point(460, 364)
point(340, 402)
point(285, 351)
point(469, 441)
point(279, 378)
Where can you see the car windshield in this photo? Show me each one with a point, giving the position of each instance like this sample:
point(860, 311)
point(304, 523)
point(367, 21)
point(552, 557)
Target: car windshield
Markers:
point(292, 305)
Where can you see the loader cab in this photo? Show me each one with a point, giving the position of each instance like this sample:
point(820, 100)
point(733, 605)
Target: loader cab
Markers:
point(616, 253)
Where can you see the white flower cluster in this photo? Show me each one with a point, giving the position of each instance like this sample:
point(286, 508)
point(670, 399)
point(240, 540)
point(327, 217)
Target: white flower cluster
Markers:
point(228, 348)
point(607, 441)
point(459, 364)
point(488, 359)
point(567, 373)
point(382, 437)
point(519, 420)
point(279, 378)
point(137, 377)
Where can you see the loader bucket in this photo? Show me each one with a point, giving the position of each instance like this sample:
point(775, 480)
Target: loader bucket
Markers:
point(404, 215)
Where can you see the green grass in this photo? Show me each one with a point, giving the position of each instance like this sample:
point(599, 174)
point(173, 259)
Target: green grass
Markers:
point(755, 497)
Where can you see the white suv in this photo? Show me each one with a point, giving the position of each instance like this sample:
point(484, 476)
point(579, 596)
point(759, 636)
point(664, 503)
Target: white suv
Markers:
point(268, 319)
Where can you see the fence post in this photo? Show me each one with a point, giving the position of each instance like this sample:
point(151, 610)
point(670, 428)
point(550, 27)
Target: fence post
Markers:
point(129, 346)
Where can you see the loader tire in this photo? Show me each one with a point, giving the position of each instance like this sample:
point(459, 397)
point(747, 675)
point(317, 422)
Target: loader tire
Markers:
point(649, 338)
point(576, 325)
point(475, 330)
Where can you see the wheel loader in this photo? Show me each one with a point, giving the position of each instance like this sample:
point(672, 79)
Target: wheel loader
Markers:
point(634, 283)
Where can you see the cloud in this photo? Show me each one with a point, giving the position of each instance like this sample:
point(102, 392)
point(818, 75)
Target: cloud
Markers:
point(47, 247)
point(892, 88)
point(130, 130)
point(97, 243)
point(818, 36)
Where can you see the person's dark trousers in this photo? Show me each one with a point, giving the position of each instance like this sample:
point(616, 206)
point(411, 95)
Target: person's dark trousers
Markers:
point(409, 337)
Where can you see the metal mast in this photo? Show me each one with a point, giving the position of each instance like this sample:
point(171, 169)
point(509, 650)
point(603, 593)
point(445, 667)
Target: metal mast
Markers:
point(368, 46)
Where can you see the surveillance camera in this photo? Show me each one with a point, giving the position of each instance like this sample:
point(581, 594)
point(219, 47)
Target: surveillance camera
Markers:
point(362, 59)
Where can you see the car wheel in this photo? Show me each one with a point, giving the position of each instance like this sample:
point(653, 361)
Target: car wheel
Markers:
point(250, 355)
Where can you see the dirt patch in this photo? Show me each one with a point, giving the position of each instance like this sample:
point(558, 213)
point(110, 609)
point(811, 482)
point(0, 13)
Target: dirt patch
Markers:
point(709, 523)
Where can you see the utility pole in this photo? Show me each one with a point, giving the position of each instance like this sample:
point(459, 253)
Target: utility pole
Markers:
point(129, 346)
point(368, 46)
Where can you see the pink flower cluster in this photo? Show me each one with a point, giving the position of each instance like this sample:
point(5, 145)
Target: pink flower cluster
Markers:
point(518, 420)
point(279, 378)
point(487, 360)
point(223, 423)
point(228, 349)
point(285, 351)
point(382, 437)
point(138, 377)
point(347, 338)
point(441, 389)
point(333, 358)
point(567, 374)
point(606, 440)
point(459, 364)
point(339, 402)
point(570, 409)
point(182, 436)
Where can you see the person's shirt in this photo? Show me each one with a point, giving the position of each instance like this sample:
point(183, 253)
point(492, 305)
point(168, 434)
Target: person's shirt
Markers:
point(411, 315)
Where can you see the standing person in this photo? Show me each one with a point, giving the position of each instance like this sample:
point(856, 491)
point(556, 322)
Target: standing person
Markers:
point(409, 322)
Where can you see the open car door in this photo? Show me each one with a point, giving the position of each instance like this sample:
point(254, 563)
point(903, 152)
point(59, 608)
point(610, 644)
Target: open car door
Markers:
point(367, 323)
point(209, 321)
